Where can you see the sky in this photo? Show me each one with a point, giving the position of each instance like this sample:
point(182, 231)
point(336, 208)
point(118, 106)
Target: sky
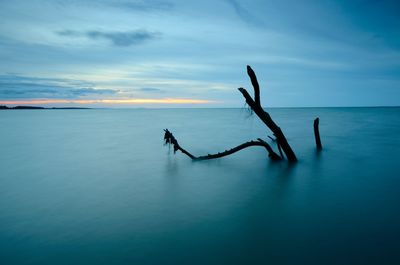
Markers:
point(183, 53)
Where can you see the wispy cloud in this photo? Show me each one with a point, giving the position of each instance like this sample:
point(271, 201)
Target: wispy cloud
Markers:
point(151, 90)
point(25, 90)
point(15, 86)
point(146, 6)
point(121, 39)
point(129, 5)
point(243, 13)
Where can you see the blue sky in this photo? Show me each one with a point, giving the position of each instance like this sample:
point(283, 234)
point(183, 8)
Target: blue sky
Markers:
point(157, 53)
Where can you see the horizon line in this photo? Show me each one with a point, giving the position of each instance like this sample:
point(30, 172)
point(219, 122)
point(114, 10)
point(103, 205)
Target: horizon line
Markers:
point(205, 107)
point(134, 101)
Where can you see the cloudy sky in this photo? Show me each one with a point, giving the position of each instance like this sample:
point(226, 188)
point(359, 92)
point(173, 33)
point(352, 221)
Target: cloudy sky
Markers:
point(157, 53)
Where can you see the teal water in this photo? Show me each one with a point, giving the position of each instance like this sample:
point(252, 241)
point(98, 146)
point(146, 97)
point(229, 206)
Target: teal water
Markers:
point(99, 187)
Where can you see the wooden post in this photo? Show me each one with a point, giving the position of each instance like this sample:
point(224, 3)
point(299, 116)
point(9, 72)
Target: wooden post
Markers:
point(316, 134)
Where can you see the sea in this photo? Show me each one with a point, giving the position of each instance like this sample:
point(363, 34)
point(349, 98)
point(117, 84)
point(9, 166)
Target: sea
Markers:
point(99, 186)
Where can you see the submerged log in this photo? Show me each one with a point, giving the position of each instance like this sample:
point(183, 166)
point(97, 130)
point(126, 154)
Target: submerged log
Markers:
point(169, 138)
point(316, 134)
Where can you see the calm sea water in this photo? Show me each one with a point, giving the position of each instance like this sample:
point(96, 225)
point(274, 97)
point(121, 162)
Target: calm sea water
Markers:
point(99, 187)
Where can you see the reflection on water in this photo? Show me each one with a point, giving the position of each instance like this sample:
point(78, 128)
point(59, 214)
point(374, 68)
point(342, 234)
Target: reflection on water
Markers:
point(98, 186)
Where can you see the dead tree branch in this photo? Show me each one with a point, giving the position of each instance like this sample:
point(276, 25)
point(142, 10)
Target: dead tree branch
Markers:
point(255, 84)
point(255, 106)
point(277, 143)
point(280, 149)
point(265, 117)
point(169, 138)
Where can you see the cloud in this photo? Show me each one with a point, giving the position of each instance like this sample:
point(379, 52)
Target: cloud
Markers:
point(145, 6)
point(130, 5)
point(151, 90)
point(123, 38)
point(15, 86)
point(243, 13)
point(69, 33)
point(120, 39)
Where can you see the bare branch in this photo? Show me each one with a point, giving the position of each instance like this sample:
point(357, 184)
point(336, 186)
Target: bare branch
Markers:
point(255, 84)
point(255, 106)
point(170, 139)
point(266, 118)
point(277, 143)
point(280, 149)
point(272, 154)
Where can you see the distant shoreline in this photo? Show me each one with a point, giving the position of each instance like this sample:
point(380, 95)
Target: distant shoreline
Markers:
point(34, 107)
point(3, 107)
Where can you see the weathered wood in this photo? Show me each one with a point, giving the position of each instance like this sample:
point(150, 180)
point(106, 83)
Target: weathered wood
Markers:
point(279, 149)
point(255, 105)
point(265, 117)
point(277, 144)
point(170, 139)
point(271, 153)
point(256, 86)
point(316, 134)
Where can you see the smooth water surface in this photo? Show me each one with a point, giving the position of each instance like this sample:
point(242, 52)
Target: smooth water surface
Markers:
point(98, 187)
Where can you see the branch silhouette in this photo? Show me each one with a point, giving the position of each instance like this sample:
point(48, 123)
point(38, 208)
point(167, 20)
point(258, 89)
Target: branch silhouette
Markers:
point(255, 105)
point(316, 134)
point(169, 138)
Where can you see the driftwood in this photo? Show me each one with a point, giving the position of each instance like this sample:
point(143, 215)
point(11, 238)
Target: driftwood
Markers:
point(255, 105)
point(316, 134)
point(170, 139)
